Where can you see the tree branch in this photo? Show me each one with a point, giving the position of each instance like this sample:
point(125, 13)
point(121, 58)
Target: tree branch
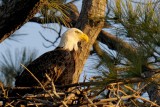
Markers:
point(117, 44)
point(15, 13)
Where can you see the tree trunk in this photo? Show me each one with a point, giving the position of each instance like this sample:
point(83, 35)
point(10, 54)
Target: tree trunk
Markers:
point(91, 22)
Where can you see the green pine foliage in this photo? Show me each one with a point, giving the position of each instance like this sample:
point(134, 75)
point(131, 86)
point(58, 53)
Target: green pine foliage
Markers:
point(141, 23)
point(10, 64)
point(55, 11)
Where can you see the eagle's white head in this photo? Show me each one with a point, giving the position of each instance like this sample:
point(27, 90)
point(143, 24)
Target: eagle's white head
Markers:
point(70, 39)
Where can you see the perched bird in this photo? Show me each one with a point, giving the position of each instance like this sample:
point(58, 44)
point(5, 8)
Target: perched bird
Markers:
point(53, 63)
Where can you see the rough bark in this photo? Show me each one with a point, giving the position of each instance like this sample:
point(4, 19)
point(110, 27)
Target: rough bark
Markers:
point(15, 13)
point(117, 44)
point(91, 22)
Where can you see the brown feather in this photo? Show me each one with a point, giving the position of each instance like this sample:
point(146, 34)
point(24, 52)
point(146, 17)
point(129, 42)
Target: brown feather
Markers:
point(52, 63)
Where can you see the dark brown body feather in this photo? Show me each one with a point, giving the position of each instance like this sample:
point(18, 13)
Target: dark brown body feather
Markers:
point(53, 63)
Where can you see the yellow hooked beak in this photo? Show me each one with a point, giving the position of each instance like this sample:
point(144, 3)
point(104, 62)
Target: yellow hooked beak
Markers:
point(84, 37)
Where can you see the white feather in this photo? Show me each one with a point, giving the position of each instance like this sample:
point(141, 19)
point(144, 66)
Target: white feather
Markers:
point(70, 39)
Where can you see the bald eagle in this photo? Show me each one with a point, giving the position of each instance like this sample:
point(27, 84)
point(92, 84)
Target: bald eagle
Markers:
point(53, 63)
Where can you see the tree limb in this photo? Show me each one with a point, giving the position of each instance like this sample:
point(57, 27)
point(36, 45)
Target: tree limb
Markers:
point(117, 44)
point(15, 13)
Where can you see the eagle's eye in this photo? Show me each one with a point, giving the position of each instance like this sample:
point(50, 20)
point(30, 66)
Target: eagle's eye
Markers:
point(77, 32)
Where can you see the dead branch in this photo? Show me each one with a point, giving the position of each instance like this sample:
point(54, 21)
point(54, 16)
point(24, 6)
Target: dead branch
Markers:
point(34, 77)
point(82, 84)
point(58, 37)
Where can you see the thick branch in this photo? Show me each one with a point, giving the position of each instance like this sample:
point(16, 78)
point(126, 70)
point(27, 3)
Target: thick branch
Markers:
point(117, 44)
point(103, 55)
point(83, 84)
point(15, 13)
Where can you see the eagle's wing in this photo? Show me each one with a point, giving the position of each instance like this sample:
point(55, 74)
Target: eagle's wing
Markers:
point(52, 63)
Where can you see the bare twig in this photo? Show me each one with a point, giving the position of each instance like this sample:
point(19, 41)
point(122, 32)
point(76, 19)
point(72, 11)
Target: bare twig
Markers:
point(89, 100)
point(54, 91)
point(37, 80)
point(53, 87)
point(44, 102)
point(34, 77)
point(151, 102)
point(131, 89)
point(52, 42)
point(117, 105)
point(4, 91)
point(43, 95)
point(64, 104)
point(9, 104)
